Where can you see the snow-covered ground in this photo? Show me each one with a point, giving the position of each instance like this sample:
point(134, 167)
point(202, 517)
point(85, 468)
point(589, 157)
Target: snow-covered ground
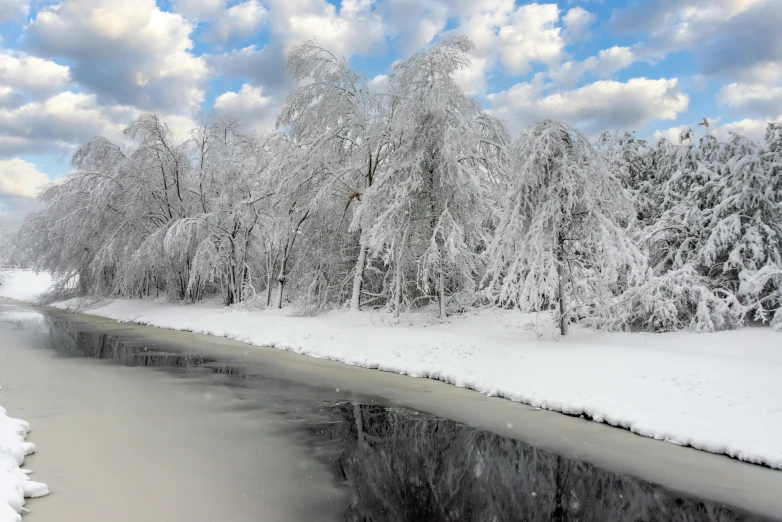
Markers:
point(718, 392)
point(15, 484)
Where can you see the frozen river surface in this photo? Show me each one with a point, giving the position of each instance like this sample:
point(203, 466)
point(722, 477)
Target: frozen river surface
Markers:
point(135, 423)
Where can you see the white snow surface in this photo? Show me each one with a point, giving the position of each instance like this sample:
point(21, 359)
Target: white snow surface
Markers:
point(718, 392)
point(15, 484)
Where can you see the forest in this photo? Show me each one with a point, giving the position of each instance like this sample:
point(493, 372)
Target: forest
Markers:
point(411, 197)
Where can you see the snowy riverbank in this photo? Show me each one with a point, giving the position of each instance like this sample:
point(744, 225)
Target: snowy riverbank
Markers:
point(717, 392)
point(15, 484)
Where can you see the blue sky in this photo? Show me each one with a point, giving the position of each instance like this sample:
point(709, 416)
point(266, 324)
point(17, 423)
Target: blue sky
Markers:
point(74, 69)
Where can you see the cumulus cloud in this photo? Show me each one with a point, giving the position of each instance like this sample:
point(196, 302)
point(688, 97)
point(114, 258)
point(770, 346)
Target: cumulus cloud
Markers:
point(748, 45)
point(265, 66)
point(250, 106)
point(20, 183)
point(242, 20)
point(577, 22)
point(507, 36)
point(753, 99)
point(13, 210)
point(735, 38)
point(379, 83)
point(603, 65)
point(13, 9)
point(414, 23)
point(754, 129)
point(199, 9)
point(59, 124)
point(10, 98)
point(528, 34)
point(30, 74)
point(353, 29)
point(21, 178)
point(130, 53)
point(671, 134)
point(595, 107)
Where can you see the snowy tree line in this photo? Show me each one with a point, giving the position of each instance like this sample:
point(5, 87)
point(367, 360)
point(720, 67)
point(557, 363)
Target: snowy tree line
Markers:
point(412, 196)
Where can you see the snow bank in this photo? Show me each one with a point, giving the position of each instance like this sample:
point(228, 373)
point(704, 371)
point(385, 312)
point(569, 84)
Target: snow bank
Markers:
point(717, 392)
point(24, 285)
point(15, 484)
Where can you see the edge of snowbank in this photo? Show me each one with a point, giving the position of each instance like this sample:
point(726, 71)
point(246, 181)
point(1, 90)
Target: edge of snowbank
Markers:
point(15, 483)
point(713, 392)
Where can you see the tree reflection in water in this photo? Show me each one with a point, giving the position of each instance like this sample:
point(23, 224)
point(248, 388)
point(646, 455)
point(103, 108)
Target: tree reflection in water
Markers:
point(403, 465)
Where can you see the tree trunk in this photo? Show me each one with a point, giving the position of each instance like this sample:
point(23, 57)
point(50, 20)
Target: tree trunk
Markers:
point(269, 279)
point(281, 278)
point(280, 288)
point(441, 291)
point(358, 277)
point(398, 286)
point(563, 311)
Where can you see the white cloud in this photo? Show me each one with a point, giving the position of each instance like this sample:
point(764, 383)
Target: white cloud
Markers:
point(577, 22)
point(739, 39)
point(9, 97)
point(671, 134)
point(472, 80)
point(414, 23)
point(21, 178)
point(754, 129)
point(199, 9)
point(13, 9)
point(604, 65)
point(355, 29)
point(250, 106)
point(265, 66)
point(13, 210)
point(754, 99)
point(130, 53)
point(507, 36)
point(30, 74)
point(59, 124)
point(602, 105)
point(379, 83)
point(242, 19)
point(530, 35)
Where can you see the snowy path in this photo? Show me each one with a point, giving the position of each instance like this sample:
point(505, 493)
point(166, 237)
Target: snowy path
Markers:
point(716, 392)
point(15, 484)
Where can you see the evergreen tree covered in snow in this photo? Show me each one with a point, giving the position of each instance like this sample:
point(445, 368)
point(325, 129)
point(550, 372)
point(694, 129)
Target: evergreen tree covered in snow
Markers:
point(561, 242)
point(715, 248)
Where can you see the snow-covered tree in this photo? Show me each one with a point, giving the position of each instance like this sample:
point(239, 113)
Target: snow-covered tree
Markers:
point(561, 242)
point(432, 201)
point(714, 249)
point(413, 195)
point(339, 121)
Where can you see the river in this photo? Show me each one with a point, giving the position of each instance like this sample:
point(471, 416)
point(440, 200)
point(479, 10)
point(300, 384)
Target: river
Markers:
point(136, 423)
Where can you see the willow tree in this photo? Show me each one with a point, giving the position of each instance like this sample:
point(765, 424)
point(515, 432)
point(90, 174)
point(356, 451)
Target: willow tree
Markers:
point(342, 126)
point(435, 192)
point(561, 241)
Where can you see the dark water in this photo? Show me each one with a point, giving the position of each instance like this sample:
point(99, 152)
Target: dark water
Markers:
point(399, 464)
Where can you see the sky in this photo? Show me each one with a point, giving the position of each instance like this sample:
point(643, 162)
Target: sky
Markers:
point(74, 69)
